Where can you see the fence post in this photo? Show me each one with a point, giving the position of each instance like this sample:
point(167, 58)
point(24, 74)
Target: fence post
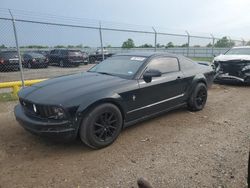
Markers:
point(17, 47)
point(100, 31)
point(213, 40)
point(243, 42)
point(188, 42)
point(230, 41)
point(155, 38)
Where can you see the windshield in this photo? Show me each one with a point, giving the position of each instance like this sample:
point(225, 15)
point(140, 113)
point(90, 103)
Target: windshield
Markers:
point(36, 55)
point(238, 51)
point(123, 66)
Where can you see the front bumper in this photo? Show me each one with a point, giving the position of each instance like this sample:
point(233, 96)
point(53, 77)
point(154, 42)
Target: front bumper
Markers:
point(226, 77)
point(64, 130)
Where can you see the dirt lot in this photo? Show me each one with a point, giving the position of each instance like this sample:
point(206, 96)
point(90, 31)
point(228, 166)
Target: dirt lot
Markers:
point(180, 149)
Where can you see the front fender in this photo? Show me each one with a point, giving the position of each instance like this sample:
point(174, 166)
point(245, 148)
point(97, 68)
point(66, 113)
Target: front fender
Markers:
point(94, 100)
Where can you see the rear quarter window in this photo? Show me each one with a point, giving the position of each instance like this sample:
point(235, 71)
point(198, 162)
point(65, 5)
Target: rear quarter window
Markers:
point(186, 63)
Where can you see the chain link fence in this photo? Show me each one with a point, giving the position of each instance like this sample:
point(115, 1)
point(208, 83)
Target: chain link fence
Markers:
point(36, 47)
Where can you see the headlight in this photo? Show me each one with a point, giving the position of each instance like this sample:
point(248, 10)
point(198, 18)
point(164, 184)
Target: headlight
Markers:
point(58, 113)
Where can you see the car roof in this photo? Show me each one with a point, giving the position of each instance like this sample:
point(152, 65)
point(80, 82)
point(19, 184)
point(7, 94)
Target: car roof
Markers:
point(147, 54)
point(9, 51)
point(241, 47)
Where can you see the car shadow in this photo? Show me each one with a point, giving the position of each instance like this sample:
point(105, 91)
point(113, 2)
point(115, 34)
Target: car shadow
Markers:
point(232, 83)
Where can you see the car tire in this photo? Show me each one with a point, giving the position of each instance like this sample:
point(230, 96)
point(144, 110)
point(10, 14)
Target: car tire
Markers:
point(101, 126)
point(29, 65)
point(61, 63)
point(92, 60)
point(198, 97)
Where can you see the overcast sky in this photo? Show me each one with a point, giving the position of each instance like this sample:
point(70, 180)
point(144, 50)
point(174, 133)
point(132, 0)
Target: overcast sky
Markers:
point(220, 17)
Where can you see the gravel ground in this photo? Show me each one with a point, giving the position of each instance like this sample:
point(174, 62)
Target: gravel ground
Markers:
point(179, 149)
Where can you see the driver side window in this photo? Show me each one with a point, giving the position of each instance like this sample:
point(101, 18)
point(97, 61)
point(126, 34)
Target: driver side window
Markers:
point(164, 64)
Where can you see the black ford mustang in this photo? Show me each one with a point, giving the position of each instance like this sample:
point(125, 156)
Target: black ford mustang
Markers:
point(118, 92)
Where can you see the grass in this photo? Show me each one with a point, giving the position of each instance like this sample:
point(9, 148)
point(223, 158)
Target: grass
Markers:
point(209, 59)
point(4, 97)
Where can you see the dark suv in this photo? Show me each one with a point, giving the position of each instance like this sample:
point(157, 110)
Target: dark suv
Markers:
point(9, 60)
point(65, 57)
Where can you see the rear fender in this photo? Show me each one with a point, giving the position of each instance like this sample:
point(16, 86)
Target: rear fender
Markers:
point(199, 78)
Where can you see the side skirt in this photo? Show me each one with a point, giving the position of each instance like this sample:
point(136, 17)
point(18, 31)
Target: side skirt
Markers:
point(127, 124)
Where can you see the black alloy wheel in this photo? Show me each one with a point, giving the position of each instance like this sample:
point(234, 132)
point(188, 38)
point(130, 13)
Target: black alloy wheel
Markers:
point(198, 97)
point(101, 126)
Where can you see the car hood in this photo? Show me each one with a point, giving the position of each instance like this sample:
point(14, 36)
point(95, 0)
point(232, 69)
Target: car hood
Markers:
point(61, 90)
point(232, 58)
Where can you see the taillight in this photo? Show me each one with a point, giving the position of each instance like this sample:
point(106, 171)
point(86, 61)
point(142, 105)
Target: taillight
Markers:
point(1, 61)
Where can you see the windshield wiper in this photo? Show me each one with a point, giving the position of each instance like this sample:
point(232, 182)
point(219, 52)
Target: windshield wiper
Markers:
point(106, 73)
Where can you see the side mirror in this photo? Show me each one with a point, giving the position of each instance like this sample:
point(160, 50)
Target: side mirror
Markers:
point(149, 74)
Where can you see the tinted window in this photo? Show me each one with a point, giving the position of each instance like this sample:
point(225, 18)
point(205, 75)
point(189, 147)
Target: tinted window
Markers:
point(186, 63)
point(52, 52)
point(164, 64)
point(36, 55)
point(64, 52)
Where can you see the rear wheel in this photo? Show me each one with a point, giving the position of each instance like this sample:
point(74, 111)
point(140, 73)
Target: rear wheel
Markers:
point(101, 126)
point(198, 97)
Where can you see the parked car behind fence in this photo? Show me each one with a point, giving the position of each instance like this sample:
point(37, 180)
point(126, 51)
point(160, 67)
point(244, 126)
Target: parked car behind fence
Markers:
point(35, 60)
point(65, 57)
point(9, 61)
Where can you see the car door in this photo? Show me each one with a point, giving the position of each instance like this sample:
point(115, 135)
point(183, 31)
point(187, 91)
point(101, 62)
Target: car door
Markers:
point(52, 58)
point(162, 92)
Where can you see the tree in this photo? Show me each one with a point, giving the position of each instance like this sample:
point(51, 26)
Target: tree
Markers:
point(70, 46)
point(79, 46)
point(170, 45)
point(209, 45)
point(146, 46)
point(184, 45)
point(3, 46)
point(59, 46)
point(128, 44)
point(224, 42)
point(158, 45)
point(248, 43)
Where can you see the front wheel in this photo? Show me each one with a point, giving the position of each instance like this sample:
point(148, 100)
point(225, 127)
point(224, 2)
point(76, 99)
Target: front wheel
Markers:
point(92, 60)
point(29, 65)
point(198, 97)
point(61, 64)
point(101, 126)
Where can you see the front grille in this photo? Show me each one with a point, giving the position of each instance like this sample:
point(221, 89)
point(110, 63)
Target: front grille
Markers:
point(234, 68)
point(41, 111)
